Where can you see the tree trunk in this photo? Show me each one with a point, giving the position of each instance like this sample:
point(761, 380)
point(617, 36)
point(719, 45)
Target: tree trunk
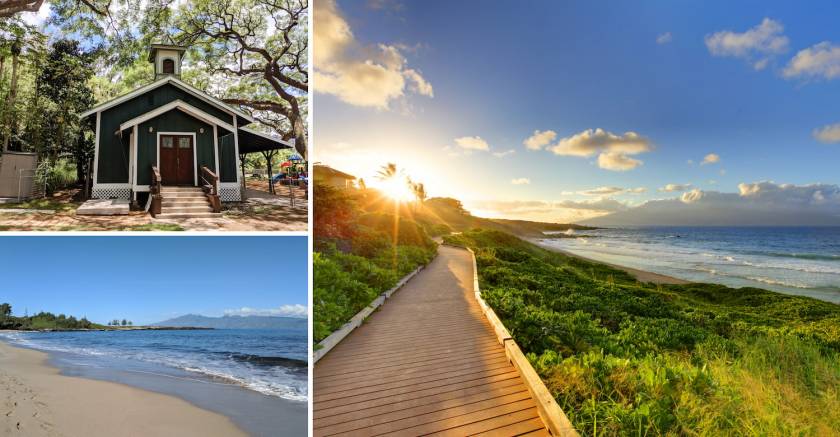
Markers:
point(268, 158)
point(300, 137)
point(10, 102)
point(242, 169)
point(2, 68)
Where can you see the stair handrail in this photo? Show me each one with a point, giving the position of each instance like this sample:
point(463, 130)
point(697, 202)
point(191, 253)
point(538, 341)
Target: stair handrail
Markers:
point(211, 181)
point(154, 188)
point(155, 198)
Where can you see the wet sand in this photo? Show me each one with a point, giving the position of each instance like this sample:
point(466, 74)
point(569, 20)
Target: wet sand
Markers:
point(35, 400)
point(640, 275)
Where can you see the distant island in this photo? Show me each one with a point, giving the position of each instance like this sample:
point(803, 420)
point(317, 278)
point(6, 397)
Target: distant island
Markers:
point(49, 322)
point(234, 322)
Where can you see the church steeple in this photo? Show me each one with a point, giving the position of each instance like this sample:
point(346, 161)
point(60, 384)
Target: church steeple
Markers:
point(167, 59)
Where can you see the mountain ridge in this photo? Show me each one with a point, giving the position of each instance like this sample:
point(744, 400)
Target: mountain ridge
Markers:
point(234, 322)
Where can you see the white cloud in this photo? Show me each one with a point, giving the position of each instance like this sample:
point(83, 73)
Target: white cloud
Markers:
point(539, 139)
point(612, 149)
point(757, 45)
point(828, 134)
point(295, 310)
point(711, 158)
point(361, 76)
point(421, 86)
point(670, 188)
point(472, 143)
point(503, 154)
point(664, 38)
point(611, 191)
point(692, 196)
point(520, 181)
point(819, 61)
point(615, 161)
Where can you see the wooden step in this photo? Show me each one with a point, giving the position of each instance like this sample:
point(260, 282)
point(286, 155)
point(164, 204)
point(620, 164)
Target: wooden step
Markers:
point(167, 215)
point(166, 189)
point(187, 209)
point(183, 195)
point(180, 201)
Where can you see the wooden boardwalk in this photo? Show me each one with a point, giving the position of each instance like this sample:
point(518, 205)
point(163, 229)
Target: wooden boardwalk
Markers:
point(427, 362)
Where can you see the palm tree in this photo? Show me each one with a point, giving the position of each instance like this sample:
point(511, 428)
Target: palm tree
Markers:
point(387, 171)
point(419, 191)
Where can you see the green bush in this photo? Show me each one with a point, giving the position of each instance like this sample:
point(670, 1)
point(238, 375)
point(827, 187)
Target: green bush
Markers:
point(55, 175)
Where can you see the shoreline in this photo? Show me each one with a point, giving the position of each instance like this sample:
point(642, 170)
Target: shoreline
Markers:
point(40, 401)
point(640, 275)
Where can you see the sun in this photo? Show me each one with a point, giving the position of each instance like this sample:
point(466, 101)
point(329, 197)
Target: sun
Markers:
point(397, 188)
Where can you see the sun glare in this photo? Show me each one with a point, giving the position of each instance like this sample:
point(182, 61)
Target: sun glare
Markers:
point(397, 188)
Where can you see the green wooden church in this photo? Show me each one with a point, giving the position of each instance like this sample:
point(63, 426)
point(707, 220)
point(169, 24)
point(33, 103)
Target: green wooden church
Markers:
point(170, 146)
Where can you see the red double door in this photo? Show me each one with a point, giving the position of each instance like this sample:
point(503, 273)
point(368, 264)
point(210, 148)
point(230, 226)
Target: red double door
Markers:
point(177, 166)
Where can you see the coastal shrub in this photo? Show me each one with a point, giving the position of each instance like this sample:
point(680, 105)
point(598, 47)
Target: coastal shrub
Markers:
point(333, 213)
point(42, 321)
point(628, 358)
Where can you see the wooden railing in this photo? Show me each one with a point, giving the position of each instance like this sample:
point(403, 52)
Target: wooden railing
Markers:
point(154, 192)
point(210, 183)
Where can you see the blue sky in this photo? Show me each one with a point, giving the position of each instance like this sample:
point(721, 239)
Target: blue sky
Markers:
point(745, 82)
point(148, 279)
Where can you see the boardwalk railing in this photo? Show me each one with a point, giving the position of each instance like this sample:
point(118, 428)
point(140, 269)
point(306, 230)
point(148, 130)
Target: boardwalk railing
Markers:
point(551, 413)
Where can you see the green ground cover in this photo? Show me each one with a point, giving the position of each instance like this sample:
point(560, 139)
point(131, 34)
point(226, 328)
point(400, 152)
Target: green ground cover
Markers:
point(628, 358)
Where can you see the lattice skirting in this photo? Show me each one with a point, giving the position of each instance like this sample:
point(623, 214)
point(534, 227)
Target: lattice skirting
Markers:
point(229, 192)
point(111, 191)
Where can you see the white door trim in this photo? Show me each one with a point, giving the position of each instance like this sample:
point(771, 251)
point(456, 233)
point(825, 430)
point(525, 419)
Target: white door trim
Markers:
point(195, 152)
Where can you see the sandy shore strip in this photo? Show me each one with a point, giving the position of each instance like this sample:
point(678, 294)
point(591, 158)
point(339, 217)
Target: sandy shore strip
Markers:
point(35, 400)
point(640, 275)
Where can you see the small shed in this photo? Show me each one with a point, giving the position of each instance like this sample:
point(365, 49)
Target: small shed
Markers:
point(17, 174)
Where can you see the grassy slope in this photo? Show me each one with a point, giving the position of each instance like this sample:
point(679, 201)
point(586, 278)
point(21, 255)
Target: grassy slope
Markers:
point(625, 358)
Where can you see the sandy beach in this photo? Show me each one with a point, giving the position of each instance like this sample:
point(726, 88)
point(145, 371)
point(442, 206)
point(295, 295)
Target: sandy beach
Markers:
point(38, 401)
point(640, 275)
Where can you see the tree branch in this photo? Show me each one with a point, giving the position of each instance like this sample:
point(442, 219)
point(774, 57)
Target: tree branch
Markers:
point(11, 7)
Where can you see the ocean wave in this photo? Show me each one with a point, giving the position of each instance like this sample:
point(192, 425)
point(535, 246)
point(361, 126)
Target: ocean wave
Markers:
point(808, 256)
point(811, 268)
point(259, 360)
point(266, 386)
point(770, 281)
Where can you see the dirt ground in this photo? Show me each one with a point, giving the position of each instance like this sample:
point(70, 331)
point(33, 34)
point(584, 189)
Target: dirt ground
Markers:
point(265, 212)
